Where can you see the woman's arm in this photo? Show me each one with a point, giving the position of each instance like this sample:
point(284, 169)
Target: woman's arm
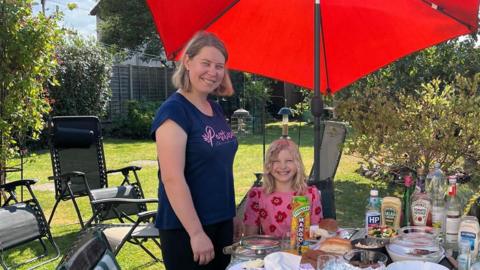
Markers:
point(171, 142)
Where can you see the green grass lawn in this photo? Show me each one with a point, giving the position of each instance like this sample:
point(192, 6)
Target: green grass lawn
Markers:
point(351, 189)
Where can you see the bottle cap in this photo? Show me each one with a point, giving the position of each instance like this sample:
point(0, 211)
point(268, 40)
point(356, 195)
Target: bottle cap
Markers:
point(437, 165)
point(452, 179)
point(374, 192)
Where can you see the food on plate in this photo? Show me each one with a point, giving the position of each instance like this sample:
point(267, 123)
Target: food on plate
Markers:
point(336, 245)
point(382, 232)
point(361, 264)
point(370, 245)
point(328, 224)
point(257, 263)
point(418, 251)
point(319, 233)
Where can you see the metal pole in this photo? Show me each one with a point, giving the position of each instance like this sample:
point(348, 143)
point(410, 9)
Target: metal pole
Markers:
point(317, 102)
point(263, 128)
point(326, 187)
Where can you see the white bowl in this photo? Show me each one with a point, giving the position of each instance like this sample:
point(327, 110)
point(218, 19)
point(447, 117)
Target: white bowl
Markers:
point(417, 265)
point(434, 257)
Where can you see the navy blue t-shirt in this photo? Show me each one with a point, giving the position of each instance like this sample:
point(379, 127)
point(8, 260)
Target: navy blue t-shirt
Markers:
point(210, 151)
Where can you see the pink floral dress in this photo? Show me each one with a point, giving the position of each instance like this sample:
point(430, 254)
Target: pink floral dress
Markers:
point(273, 212)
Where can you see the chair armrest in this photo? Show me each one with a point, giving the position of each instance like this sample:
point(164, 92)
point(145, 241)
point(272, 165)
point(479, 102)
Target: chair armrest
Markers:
point(147, 214)
point(124, 200)
point(66, 176)
point(12, 185)
point(125, 170)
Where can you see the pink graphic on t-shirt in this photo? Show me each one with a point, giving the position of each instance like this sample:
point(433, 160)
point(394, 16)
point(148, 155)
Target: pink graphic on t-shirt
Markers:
point(209, 135)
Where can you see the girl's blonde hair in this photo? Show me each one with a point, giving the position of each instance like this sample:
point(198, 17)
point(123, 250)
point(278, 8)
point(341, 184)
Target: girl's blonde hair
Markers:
point(299, 183)
point(181, 79)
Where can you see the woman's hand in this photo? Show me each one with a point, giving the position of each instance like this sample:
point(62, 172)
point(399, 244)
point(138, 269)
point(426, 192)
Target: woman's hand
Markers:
point(202, 248)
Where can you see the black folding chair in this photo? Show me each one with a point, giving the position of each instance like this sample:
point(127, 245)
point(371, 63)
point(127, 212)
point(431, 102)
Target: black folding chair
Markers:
point(137, 232)
point(79, 169)
point(22, 222)
point(330, 154)
point(90, 250)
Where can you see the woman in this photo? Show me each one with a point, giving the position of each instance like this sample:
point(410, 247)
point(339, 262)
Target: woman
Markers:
point(196, 149)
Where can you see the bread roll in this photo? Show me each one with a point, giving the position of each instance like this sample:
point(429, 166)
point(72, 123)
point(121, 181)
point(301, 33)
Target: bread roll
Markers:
point(336, 245)
point(328, 224)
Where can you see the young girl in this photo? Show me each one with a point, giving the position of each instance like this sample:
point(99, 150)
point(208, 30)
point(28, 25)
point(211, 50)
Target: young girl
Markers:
point(268, 209)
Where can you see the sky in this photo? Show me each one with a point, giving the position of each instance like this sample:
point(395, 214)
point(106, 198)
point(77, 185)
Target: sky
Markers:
point(78, 19)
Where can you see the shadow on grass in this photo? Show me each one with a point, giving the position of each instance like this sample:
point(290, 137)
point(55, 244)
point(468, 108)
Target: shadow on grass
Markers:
point(32, 249)
point(351, 200)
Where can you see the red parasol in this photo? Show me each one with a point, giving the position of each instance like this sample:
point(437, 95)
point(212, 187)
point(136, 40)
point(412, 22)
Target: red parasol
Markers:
point(322, 45)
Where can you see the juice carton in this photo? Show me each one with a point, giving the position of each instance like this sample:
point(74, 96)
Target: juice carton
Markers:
point(300, 223)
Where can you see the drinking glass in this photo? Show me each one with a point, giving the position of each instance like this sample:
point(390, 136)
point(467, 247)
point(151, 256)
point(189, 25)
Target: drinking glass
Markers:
point(286, 241)
point(323, 261)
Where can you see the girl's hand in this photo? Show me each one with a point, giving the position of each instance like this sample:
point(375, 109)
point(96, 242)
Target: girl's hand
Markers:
point(238, 229)
point(202, 248)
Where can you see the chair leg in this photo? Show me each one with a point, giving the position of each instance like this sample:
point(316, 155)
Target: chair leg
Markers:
point(53, 211)
point(135, 241)
point(75, 205)
point(149, 252)
point(78, 212)
point(2, 262)
point(45, 254)
point(57, 252)
point(45, 250)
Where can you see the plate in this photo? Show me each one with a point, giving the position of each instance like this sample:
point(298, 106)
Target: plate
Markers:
point(417, 265)
point(240, 266)
point(434, 257)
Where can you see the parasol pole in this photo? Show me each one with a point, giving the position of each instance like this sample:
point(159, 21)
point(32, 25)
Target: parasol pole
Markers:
point(326, 187)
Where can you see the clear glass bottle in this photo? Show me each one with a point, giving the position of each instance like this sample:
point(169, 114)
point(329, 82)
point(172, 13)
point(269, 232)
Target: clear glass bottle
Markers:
point(463, 257)
point(438, 214)
point(436, 184)
point(420, 204)
point(453, 213)
point(372, 215)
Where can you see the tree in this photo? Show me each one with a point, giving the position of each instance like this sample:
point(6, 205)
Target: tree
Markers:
point(27, 64)
point(129, 26)
point(437, 124)
point(84, 76)
point(444, 61)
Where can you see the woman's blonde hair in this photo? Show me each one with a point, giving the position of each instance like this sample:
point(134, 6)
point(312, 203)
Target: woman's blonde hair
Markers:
point(181, 79)
point(299, 183)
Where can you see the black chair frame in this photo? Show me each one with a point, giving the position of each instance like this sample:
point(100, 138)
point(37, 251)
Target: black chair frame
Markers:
point(88, 251)
point(146, 217)
point(67, 132)
point(32, 203)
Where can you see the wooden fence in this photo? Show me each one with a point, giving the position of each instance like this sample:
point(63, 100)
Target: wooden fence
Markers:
point(143, 83)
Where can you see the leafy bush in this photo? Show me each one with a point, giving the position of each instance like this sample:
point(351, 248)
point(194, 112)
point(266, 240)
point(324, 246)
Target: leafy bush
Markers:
point(439, 123)
point(136, 124)
point(84, 77)
point(27, 65)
